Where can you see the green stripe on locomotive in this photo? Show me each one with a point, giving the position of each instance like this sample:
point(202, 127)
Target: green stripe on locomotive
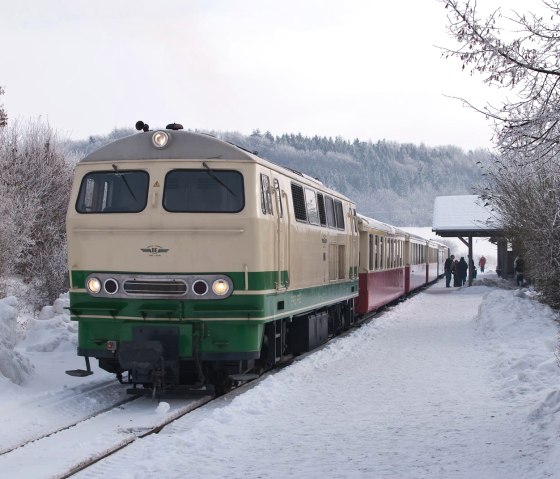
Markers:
point(257, 281)
point(231, 325)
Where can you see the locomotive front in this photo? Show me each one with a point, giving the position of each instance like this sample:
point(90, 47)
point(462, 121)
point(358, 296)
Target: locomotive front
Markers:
point(163, 227)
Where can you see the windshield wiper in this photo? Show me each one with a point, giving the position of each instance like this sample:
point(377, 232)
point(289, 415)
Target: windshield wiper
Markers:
point(125, 181)
point(211, 173)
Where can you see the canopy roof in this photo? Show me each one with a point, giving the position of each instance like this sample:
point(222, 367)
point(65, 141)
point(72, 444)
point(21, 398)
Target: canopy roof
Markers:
point(464, 215)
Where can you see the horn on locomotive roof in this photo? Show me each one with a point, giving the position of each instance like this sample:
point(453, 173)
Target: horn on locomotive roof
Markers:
point(140, 125)
point(174, 126)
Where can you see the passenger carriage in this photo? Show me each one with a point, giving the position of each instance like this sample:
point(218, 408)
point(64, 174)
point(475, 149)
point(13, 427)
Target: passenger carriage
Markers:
point(416, 262)
point(382, 264)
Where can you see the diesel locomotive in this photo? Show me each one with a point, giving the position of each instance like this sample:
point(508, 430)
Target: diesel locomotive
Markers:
point(195, 262)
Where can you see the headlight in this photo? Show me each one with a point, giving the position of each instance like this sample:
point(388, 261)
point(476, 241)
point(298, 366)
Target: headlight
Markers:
point(220, 287)
point(160, 139)
point(93, 285)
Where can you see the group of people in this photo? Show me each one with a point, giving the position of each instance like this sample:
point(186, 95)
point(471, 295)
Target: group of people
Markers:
point(459, 269)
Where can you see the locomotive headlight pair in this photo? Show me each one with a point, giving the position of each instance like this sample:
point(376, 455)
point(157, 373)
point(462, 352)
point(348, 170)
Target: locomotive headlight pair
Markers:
point(220, 287)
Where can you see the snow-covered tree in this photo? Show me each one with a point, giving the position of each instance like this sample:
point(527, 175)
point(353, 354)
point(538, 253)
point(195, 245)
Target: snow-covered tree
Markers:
point(35, 181)
point(3, 114)
point(520, 52)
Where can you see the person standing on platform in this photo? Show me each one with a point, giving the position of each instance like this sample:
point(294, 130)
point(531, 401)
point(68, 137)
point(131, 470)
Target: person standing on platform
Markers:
point(448, 269)
point(482, 263)
point(462, 268)
point(456, 274)
point(518, 268)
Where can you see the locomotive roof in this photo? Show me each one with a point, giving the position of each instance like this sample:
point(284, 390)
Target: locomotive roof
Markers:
point(184, 145)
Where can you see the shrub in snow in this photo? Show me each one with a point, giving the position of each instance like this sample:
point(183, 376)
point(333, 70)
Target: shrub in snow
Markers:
point(35, 180)
point(13, 365)
point(54, 330)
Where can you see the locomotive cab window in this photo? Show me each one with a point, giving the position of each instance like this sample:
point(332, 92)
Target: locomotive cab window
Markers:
point(113, 192)
point(204, 191)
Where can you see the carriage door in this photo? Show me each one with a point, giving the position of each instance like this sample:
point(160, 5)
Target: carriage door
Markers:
point(282, 237)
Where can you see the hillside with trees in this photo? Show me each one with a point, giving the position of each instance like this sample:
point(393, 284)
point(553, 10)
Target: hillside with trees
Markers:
point(392, 182)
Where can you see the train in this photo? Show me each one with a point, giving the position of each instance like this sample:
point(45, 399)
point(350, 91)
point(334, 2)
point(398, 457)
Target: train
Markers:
point(196, 263)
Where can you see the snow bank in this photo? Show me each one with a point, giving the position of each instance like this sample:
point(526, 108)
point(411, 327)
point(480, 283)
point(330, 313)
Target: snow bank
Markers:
point(523, 335)
point(13, 366)
point(52, 331)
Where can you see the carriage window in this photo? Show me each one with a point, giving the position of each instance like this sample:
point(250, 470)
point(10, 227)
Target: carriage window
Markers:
point(376, 252)
point(113, 192)
point(204, 191)
point(266, 196)
point(381, 253)
point(311, 205)
point(371, 249)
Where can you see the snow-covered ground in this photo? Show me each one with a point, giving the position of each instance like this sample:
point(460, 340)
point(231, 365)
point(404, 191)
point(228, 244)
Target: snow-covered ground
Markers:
point(452, 383)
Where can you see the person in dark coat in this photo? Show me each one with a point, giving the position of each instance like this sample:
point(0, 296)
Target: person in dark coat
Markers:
point(462, 268)
point(448, 269)
point(519, 267)
point(456, 274)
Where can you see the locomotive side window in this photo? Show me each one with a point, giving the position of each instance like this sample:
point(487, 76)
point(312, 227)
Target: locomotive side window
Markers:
point(278, 198)
point(113, 192)
point(311, 205)
point(339, 214)
point(204, 191)
point(329, 203)
point(299, 202)
point(322, 212)
point(266, 196)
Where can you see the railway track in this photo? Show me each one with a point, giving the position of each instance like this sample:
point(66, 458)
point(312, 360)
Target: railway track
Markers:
point(48, 414)
point(62, 453)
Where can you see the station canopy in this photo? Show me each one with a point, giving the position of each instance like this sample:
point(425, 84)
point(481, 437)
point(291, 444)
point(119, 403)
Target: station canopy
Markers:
point(464, 216)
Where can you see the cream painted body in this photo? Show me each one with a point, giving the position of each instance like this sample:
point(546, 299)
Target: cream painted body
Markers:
point(248, 241)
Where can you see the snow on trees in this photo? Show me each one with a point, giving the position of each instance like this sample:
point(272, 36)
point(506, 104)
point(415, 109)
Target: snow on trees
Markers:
point(35, 181)
point(520, 52)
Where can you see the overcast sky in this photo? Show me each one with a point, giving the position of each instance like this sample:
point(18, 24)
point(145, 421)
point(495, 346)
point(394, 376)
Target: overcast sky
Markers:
point(354, 68)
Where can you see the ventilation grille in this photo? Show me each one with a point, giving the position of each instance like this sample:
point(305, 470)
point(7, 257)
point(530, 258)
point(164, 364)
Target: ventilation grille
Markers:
point(299, 202)
point(155, 287)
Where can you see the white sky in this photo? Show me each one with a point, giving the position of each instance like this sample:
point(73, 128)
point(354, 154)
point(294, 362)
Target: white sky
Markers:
point(356, 69)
